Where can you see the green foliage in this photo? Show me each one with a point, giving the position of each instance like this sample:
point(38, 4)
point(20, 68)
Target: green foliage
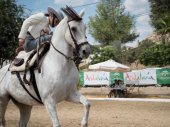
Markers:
point(11, 18)
point(111, 23)
point(130, 56)
point(143, 46)
point(102, 54)
point(160, 15)
point(121, 55)
point(165, 24)
point(157, 55)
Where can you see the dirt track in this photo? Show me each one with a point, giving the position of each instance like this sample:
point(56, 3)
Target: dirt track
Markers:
point(102, 113)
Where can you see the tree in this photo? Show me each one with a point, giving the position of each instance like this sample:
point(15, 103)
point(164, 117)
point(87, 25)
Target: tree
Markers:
point(160, 15)
point(102, 54)
point(11, 18)
point(111, 23)
point(157, 55)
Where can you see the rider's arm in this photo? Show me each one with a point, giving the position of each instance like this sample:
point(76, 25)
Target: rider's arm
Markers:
point(32, 20)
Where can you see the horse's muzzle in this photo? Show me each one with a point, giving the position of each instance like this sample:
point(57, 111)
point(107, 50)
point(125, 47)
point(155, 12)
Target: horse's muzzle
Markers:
point(85, 50)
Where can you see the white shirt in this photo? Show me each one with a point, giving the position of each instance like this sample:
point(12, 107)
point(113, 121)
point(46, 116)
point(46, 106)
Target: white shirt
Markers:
point(34, 24)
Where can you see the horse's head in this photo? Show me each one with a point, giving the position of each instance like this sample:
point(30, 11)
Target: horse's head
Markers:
point(76, 33)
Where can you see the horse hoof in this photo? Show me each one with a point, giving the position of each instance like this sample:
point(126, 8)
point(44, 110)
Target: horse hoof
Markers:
point(2, 124)
point(83, 124)
point(58, 126)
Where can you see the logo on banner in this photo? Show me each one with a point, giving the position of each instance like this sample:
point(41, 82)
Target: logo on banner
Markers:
point(116, 75)
point(165, 75)
point(148, 76)
point(93, 77)
point(131, 76)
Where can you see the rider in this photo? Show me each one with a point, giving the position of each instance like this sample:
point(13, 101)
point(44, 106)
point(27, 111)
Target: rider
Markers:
point(33, 26)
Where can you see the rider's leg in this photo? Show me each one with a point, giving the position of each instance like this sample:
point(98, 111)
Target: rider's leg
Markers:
point(43, 38)
point(31, 43)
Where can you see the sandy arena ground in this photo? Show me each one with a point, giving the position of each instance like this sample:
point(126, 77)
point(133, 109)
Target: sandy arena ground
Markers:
point(104, 113)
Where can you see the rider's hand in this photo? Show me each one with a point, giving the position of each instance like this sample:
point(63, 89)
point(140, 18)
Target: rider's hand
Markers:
point(46, 30)
point(19, 49)
point(21, 41)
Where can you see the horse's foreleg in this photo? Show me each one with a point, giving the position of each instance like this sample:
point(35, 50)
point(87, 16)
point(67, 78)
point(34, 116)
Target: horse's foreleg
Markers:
point(51, 108)
point(79, 98)
point(25, 112)
point(3, 105)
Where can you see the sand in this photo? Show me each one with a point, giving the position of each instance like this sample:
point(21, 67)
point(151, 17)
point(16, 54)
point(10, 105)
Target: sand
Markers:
point(104, 113)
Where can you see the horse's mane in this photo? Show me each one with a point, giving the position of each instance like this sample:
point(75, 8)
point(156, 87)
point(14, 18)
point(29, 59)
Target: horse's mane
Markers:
point(61, 27)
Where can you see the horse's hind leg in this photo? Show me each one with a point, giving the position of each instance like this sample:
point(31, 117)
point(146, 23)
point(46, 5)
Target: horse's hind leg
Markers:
point(25, 112)
point(3, 105)
point(79, 98)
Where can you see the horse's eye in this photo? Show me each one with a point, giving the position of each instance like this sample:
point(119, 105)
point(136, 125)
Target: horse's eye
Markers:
point(73, 29)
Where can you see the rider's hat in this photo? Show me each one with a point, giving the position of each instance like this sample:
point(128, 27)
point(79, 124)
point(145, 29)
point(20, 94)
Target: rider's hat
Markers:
point(57, 14)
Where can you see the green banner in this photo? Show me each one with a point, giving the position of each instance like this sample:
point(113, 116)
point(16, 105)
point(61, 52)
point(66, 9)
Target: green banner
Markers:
point(116, 75)
point(81, 77)
point(163, 76)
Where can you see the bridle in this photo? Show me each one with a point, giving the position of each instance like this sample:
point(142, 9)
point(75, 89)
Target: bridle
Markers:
point(77, 46)
point(75, 41)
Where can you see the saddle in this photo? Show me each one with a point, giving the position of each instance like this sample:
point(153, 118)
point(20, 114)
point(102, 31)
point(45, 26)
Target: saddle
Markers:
point(29, 62)
point(24, 60)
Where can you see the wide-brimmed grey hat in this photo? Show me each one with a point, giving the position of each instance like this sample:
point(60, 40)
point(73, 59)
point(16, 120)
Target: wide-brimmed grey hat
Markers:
point(57, 14)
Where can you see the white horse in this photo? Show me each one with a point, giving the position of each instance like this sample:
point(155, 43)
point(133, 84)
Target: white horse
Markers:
point(58, 78)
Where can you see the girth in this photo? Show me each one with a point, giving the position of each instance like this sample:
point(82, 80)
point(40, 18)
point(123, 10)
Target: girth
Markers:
point(33, 83)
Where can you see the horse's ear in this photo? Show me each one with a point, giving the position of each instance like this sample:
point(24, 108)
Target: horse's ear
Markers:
point(81, 14)
point(71, 13)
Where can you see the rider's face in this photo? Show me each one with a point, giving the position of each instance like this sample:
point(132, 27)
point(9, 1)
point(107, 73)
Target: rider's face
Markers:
point(55, 23)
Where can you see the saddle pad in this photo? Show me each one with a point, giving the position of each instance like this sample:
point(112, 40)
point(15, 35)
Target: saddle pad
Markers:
point(25, 55)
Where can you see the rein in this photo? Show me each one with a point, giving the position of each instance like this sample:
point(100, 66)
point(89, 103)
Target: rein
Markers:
point(67, 57)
